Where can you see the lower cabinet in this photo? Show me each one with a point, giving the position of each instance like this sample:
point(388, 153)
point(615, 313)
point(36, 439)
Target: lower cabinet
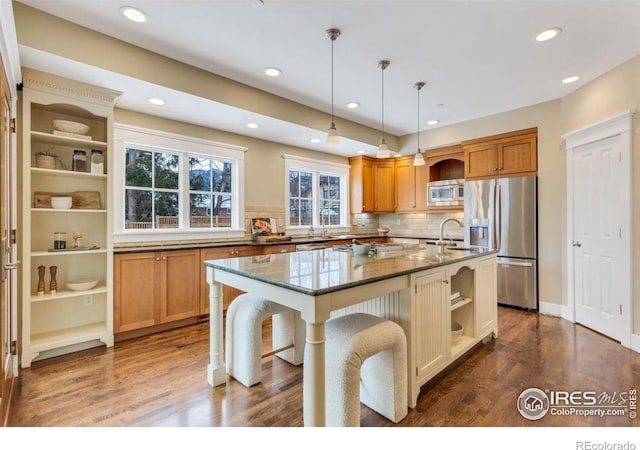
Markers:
point(463, 293)
point(431, 312)
point(154, 288)
point(228, 292)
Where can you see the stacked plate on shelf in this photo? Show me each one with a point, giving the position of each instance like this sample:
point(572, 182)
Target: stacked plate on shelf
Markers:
point(456, 297)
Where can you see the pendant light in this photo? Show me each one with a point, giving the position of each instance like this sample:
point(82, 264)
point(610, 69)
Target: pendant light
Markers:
point(383, 150)
point(418, 160)
point(332, 132)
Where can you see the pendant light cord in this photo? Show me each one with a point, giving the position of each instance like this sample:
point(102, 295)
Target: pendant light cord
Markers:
point(332, 121)
point(418, 89)
point(383, 101)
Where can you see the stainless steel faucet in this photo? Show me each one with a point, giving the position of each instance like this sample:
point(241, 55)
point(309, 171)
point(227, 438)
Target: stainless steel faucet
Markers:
point(441, 242)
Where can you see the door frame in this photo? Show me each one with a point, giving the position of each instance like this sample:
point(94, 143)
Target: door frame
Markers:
point(621, 125)
point(9, 53)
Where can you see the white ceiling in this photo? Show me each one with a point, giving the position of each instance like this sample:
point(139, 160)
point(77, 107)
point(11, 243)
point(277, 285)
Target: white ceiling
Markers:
point(478, 57)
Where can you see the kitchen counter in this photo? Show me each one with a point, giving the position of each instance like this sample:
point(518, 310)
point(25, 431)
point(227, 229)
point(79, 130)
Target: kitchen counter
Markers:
point(178, 245)
point(336, 270)
point(412, 287)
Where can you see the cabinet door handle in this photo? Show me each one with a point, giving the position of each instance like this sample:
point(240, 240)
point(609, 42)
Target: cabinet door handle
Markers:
point(158, 258)
point(164, 258)
point(445, 281)
point(495, 169)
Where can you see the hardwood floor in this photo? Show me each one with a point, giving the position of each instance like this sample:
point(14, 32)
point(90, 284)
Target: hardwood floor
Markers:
point(160, 380)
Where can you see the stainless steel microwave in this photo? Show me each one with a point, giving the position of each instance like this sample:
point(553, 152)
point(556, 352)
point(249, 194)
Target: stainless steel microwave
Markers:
point(445, 193)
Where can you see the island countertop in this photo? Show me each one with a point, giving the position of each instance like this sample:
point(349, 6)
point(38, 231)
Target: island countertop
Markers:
point(317, 272)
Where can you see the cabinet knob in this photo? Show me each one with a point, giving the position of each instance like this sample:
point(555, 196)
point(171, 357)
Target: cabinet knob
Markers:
point(164, 258)
point(495, 169)
point(158, 258)
point(445, 281)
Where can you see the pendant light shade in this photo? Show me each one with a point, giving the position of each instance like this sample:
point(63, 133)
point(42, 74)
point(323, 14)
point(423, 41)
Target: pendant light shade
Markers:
point(418, 160)
point(383, 149)
point(332, 133)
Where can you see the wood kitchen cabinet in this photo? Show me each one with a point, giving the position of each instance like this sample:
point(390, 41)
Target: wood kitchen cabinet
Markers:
point(508, 154)
point(228, 293)
point(372, 185)
point(446, 163)
point(411, 185)
point(153, 288)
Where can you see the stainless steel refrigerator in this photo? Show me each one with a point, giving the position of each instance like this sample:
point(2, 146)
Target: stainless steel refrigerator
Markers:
point(502, 214)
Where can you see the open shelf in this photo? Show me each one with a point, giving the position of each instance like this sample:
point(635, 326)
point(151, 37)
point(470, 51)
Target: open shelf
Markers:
point(56, 139)
point(53, 339)
point(464, 343)
point(66, 173)
point(461, 303)
point(69, 253)
point(66, 321)
point(67, 294)
point(71, 210)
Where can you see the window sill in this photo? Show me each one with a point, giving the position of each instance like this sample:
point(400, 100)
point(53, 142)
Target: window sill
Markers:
point(175, 235)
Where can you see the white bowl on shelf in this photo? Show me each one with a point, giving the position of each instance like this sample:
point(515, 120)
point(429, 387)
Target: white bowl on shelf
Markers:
point(82, 285)
point(68, 126)
point(457, 330)
point(61, 202)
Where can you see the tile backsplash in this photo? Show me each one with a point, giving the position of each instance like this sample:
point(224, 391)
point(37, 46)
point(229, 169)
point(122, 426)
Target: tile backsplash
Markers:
point(422, 224)
point(412, 224)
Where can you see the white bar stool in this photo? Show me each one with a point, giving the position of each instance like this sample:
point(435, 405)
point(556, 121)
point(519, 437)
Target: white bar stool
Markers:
point(366, 361)
point(243, 345)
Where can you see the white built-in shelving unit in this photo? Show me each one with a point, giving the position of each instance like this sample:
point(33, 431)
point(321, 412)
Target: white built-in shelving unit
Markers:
point(66, 320)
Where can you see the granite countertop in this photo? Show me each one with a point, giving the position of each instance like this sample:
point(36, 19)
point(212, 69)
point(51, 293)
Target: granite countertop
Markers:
point(317, 272)
point(177, 245)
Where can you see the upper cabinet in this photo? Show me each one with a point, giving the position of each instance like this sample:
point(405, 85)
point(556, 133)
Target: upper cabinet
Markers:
point(508, 154)
point(446, 163)
point(66, 248)
point(372, 185)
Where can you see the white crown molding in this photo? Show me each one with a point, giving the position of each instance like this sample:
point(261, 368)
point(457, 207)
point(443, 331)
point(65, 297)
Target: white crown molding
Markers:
point(286, 157)
point(9, 47)
point(45, 82)
point(601, 130)
point(181, 137)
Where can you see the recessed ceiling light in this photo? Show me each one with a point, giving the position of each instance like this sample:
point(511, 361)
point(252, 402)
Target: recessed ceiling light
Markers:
point(133, 14)
point(572, 79)
point(353, 105)
point(272, 72)
point(315, 140)
point(361, 152)
point(156, 101)
point(433, 122)
point(252, 125)
point(548, 34)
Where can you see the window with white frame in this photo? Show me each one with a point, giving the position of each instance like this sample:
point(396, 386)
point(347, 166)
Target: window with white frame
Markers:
point(317, 193)
point(177, 185)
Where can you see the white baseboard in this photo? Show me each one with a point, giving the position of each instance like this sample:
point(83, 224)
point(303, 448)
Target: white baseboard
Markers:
point(635, 342)
point(550, 309)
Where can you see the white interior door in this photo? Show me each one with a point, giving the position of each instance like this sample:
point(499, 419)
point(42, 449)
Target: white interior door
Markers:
point(600, 234)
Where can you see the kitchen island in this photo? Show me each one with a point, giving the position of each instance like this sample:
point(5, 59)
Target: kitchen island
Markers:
point(418, 288)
